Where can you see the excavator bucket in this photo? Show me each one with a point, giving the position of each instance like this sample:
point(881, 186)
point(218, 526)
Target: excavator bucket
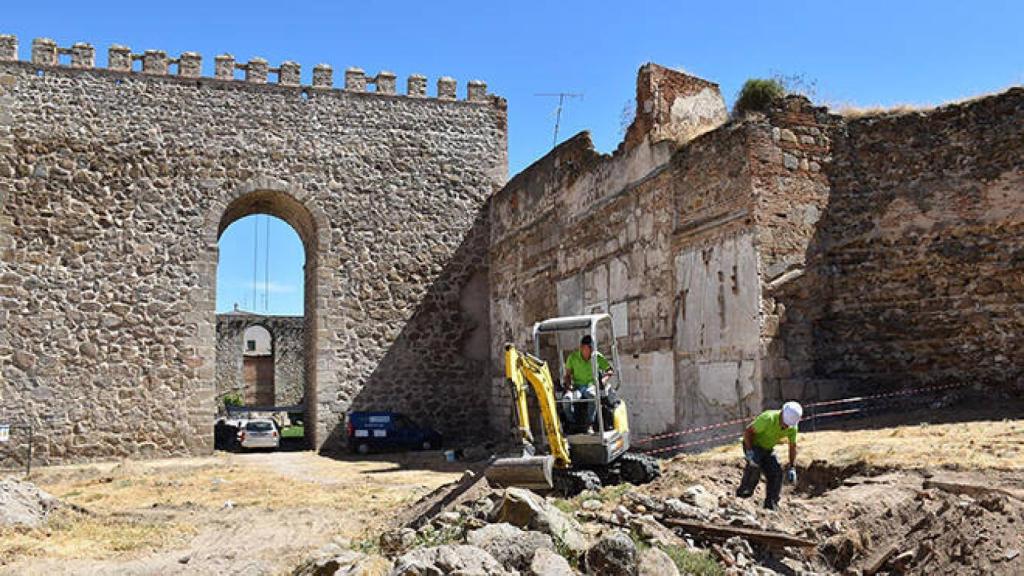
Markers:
point(533, 472)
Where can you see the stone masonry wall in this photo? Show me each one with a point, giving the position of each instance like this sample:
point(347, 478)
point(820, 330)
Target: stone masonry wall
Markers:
point(287, 335)
point(923, 249)
point(116, 185)
point(791, 149)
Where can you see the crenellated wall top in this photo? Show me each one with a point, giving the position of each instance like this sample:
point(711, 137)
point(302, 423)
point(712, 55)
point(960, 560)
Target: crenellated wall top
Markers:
point(46, 53)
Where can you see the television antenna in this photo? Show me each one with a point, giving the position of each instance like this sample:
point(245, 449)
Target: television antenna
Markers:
point(562, 96)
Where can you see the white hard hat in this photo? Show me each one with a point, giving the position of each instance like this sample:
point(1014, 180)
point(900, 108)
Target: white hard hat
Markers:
point(791, 413)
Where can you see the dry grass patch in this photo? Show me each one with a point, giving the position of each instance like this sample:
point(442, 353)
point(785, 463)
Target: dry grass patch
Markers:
point(69, 534)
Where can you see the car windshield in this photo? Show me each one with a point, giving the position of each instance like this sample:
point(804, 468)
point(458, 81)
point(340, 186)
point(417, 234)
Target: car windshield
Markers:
point(259, 426)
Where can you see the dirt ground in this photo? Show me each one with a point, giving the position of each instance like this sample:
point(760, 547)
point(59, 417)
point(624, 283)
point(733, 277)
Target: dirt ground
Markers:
point(256, 513)
point(945, 496)
point(863, 488)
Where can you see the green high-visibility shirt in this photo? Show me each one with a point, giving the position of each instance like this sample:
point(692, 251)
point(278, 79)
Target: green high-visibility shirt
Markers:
point(582, 375)
point(768, 430)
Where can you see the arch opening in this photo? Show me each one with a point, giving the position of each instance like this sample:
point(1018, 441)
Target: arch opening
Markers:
point(266, 345)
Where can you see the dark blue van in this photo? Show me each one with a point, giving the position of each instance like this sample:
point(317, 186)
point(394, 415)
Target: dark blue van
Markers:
point(388, 430)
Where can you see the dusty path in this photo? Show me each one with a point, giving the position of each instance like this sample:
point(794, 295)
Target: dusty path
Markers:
point(224, 514)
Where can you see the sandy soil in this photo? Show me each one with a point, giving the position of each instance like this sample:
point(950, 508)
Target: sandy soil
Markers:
point(257, 513)
point(869, 484)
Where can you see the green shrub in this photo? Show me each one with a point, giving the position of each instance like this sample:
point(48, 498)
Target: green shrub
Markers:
point(757, 94)
point(232, 399)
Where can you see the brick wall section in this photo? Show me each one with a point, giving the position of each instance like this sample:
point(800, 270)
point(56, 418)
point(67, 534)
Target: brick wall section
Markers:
point(581, 232)
point(924, 256)
point(673, 106)
point(115, 187)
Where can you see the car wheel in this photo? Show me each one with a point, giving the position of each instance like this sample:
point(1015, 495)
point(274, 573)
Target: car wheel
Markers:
point(363, 448)
point(426, 445)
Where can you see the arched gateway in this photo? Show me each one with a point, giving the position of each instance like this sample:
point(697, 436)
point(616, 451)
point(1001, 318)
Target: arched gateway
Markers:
point(115, 186)
point(298, 209)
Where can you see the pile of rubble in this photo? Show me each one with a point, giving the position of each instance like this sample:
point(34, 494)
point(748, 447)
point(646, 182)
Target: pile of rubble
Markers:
point(517, 532)
point(897, 523)
point(24, 504)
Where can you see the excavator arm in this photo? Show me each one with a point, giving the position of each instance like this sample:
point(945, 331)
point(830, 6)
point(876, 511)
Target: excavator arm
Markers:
point(524, 371)
point(522, 368)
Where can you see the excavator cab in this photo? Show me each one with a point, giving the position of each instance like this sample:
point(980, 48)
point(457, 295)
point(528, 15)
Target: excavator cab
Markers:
point(579, 455)
point(601, 441)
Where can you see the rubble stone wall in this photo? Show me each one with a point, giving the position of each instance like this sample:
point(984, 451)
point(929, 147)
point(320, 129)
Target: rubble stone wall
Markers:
point(287, 337)
point(115, 186)
point(923, 249)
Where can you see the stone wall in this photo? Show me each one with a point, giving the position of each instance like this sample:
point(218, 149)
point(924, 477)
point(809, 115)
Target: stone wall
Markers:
point(923, 249)
point(287, 337)
point(116, 185)
point(785, 254)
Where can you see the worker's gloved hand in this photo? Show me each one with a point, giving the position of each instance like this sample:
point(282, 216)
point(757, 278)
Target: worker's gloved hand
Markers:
point(750, 456)
point(791, 475)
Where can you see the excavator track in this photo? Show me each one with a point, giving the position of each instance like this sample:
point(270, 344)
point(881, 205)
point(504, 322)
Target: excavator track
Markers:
point(569, 483)
point(638, 468)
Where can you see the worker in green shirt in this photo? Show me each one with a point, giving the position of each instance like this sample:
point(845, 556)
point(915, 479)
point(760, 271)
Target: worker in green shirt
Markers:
point(759, 440)
point(579, 382)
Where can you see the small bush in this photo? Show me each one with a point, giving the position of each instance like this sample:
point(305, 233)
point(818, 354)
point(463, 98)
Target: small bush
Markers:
point(232, 399)
point(757, 94)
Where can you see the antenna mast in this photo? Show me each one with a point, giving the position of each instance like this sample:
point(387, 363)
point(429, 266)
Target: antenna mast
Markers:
point(558, 111)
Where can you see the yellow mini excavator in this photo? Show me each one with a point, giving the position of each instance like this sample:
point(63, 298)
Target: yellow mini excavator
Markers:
point(594, 453)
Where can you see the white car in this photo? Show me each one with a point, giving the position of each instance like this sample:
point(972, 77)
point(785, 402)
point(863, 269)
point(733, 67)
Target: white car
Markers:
point(261, 433)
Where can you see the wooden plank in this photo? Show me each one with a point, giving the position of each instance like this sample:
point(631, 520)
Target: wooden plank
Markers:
point(434, 503)
point(875, 562)
point(727, 531)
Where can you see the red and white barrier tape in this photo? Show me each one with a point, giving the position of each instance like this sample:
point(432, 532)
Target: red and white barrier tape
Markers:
point(692, 430)
point(698, 429)
point(677, 447)
point(908, 392)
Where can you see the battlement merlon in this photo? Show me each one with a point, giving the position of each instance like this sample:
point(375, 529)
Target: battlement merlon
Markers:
point(47, 54)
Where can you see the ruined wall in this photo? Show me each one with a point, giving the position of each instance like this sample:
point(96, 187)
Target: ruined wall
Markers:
point(924, 249)
point(580, 232)
point(287, 337)
point(716, 290)
point(791, 149)
point(116, 185)
point(790, 254)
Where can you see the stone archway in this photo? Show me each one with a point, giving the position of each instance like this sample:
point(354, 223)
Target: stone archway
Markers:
point(294, 206)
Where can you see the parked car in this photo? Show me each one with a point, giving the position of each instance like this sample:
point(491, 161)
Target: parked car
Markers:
point(381, 430)
point(260, 433)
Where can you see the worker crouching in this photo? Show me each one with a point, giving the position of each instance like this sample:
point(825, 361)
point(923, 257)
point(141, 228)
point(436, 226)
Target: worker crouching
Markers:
point(759, 439)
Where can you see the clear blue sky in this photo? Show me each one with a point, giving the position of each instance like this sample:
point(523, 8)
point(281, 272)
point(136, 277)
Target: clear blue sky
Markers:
point(864, 53)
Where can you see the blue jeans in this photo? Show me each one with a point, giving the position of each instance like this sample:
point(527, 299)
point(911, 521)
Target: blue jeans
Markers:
point(575, 413)
point(768, 464)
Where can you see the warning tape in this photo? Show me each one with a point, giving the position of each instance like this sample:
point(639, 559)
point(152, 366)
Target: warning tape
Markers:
point(691, 430)
point(908, 392)
point(698, 429)
point(678, 447)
